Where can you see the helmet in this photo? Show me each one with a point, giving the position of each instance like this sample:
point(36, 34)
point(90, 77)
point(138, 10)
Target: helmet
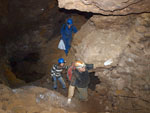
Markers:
point(61, 60)
point(79, 64)
point(69, 21)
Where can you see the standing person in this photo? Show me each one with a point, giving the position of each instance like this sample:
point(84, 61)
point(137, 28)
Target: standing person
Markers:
point(56, 73)
point(66, 32)
point(80, 80)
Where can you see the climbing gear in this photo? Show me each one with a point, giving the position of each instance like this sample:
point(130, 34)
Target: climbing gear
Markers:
point(69, 21)
point(79, 64)
point(61, 60)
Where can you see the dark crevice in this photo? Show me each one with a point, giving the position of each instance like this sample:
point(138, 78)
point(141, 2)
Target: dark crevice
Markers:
point(31, 57)
point(22, 67)
point(87, 15)
point(94, 80)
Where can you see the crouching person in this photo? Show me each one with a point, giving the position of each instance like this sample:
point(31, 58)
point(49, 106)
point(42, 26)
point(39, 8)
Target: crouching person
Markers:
point(79, 80)
point(56, 73)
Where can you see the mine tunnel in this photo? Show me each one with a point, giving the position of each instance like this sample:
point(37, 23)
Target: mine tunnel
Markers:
point(113, 36)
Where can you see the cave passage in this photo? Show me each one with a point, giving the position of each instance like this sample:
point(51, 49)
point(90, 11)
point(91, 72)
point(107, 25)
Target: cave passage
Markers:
point(110, 34)
point(28, 40)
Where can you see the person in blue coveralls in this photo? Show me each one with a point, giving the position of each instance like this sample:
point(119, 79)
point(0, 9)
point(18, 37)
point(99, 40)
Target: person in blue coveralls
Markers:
point(66, 32)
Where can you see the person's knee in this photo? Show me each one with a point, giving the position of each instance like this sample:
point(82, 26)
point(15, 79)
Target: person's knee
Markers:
point(83, 94)
point(62, 82)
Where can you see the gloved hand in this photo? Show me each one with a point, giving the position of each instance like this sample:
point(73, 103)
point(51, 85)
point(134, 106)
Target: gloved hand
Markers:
point(69, 100)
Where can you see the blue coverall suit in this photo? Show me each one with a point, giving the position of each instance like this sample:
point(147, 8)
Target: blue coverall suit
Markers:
point(67, 36)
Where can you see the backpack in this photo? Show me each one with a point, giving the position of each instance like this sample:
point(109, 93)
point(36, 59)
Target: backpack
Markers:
point(69, 72)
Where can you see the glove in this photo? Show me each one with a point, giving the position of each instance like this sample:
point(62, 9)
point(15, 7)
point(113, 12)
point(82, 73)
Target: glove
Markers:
point(108, 62)
point(69, 100)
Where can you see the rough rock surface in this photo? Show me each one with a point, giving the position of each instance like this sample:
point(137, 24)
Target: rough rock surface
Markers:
point(126, 41)
point(107, 7)
point(23, 32)
point(31, 99)
point(25, 37)
point(103, 38)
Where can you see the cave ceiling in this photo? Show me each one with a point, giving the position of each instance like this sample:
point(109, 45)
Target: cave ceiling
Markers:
point(107, 7)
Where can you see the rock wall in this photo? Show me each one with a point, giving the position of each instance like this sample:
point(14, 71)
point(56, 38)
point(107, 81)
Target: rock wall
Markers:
point(126, 41)
point(102, 38)
point(30, 16)
point(7, 77)
point(107, 7)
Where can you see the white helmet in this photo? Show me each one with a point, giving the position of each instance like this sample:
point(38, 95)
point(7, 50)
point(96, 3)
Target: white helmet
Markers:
point(79, 64)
